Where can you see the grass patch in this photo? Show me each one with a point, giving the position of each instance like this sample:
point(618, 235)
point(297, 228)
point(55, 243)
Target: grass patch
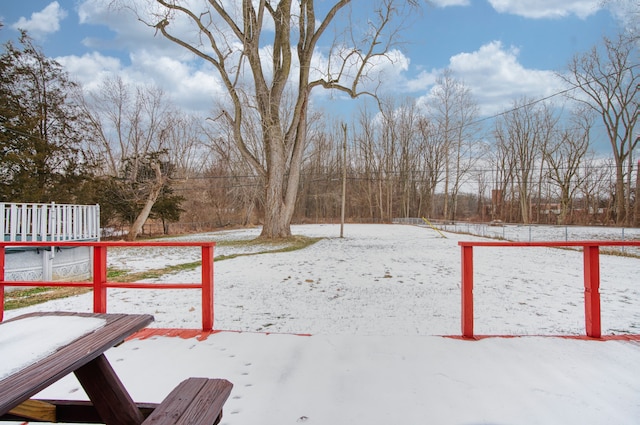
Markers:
point(126, 277)
point(113, 274)
point(293, 243)
point(618, 253)
point(27, 297)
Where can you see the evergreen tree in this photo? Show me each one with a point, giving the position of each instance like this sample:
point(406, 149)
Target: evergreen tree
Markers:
point(41, 159)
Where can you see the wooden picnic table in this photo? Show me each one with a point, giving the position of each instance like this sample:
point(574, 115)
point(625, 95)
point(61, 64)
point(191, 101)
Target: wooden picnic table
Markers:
point(81, 351)
point(85, 357)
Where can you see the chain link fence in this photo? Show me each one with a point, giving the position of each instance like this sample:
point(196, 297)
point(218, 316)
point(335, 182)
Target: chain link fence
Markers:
point(536, 232)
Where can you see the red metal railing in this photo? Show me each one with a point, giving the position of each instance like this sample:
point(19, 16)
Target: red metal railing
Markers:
point(100, 283)
point(591, 255)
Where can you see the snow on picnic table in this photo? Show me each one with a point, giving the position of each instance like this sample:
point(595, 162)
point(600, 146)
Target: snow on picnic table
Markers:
point(28, 340)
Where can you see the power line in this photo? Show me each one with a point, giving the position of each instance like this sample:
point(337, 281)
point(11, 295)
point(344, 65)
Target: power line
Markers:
point(562, 92)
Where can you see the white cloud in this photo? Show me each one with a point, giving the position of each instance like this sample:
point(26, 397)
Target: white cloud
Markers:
point(130, 33)
point(132, 22)
point(539, 9)
point(192, 84)
point(627, 12)
point(41, 23)
point(90, 69)
point(496, 78)
point(389, 68)
point(424, 80)
point(193, 89)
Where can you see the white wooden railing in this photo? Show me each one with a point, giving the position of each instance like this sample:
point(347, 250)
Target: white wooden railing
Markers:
point(49, 222)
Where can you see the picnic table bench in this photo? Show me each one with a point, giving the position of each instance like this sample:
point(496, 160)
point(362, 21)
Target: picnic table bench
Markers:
point(194, 401)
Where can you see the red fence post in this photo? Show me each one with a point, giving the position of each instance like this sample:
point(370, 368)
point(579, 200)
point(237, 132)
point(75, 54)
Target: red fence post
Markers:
point(2, 252)
point(99, 279)
point(467, 291)
point(207, 287)
point(592, 290)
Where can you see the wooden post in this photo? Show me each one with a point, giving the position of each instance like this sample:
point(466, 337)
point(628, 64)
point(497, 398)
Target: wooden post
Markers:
point(344, 180)
point(207, 287)
point(99, 279)
point(592, 291)
point(109, 396)
point(467, 291)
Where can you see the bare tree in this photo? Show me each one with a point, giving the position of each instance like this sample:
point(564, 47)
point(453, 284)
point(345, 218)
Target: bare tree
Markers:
point(503, 162)
point(565, 155)
point(188, 150)
point(523, 131)
point(432, 157)
point(319, 191)
point(482, 177)
point(371, 165)
point(453, 109)
point(389, 148)
point(235, 184)
point(607, 80)
point(131, 130)
point(595, 187)
point(409, 159)
point(232, 37)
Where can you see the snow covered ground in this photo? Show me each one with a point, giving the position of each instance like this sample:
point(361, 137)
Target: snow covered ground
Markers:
point(375, 303)
point(377, 280)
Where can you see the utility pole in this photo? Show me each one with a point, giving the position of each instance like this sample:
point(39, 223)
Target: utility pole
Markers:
point(344, 178)
point(637, 198)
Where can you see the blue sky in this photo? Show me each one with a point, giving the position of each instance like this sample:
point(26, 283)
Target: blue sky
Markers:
point(502, 49)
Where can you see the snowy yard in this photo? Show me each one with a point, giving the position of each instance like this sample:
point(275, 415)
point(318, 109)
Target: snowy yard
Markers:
point(378, 280)
point(375, 303)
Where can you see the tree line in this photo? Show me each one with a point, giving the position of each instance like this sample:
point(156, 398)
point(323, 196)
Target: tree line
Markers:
point(531, 166)
point(131, 150)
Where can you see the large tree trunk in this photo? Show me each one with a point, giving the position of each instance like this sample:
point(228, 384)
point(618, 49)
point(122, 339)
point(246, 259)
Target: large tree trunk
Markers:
point(154, 193)
point(283, 178)
point(620, 195)
point(277, 222)
point(637, 199)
